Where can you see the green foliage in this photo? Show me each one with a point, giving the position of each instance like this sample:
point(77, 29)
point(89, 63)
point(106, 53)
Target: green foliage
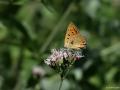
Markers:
point(30, 28)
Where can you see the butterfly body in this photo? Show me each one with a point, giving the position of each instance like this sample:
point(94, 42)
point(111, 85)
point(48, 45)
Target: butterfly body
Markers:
point(73, 38)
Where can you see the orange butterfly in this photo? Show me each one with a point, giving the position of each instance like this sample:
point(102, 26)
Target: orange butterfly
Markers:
point(73, 38)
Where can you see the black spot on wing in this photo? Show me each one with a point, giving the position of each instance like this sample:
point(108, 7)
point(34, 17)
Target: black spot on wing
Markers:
point(68, 34)
point(75, 30)
point(72, 42)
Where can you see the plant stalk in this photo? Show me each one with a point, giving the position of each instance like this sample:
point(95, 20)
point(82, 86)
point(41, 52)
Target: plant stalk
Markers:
point(60, 86)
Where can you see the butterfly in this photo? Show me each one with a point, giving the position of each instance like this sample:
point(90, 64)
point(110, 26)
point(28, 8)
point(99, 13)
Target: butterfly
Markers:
point(73, 38)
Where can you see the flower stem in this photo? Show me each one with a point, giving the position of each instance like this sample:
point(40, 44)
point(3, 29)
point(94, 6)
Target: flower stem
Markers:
point(62, 77)
point(60, 86)
point(68, 70)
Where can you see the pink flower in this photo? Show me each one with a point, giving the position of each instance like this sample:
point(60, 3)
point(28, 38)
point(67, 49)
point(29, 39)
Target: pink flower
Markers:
point(58, 56)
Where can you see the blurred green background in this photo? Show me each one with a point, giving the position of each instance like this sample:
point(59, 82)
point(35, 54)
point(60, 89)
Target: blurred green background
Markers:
point(29, 29)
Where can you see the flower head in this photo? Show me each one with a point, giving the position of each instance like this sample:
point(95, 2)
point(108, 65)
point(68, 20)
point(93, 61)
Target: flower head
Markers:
point(58, 56)
point(62, 59)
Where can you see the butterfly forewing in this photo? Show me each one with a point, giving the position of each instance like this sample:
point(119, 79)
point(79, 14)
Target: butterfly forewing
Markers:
point(73, 39)
point(70, 35)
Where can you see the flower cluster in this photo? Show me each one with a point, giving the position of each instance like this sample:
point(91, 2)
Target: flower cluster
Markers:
point(59, 55)
point(61, 59)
